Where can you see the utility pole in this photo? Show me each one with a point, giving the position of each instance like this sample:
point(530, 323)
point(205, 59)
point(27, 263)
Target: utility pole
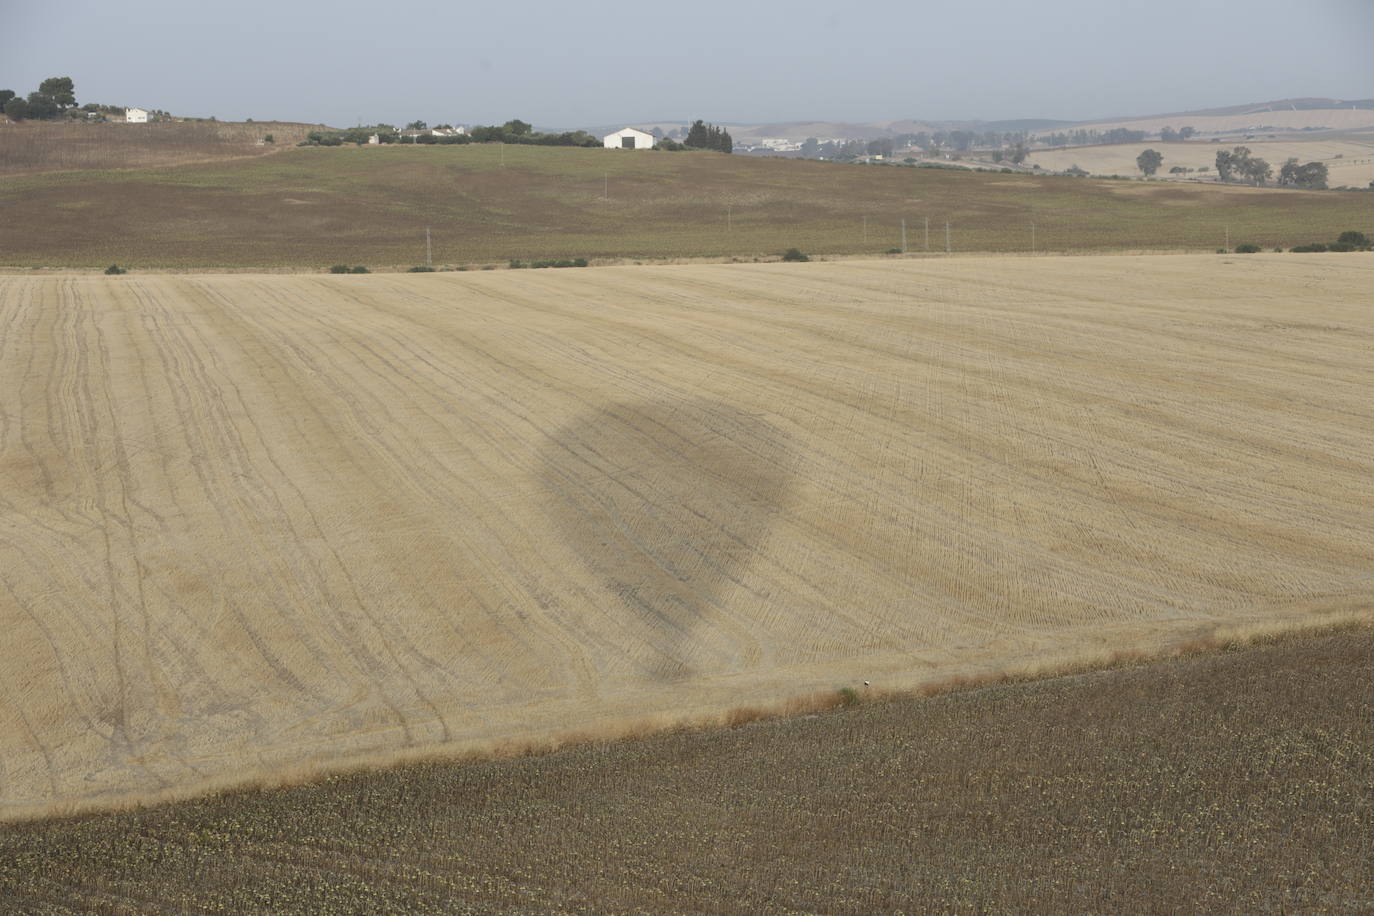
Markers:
point(1228, 238)
point(948, 249)
point(927, 233)
point(903, 236)
point(727, 219)
point(606, 186)
point(429, 250)
point(865, 228)
point(1032, 238)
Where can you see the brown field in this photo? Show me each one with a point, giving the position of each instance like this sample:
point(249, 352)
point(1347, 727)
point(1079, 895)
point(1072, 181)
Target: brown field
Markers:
point(1228, 782)
point(34, 146)
point(252, 525)
point(485, 204)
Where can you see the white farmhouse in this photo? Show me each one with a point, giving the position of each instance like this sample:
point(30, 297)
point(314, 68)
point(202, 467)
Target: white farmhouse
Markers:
point(629, 138)
point(135, 116)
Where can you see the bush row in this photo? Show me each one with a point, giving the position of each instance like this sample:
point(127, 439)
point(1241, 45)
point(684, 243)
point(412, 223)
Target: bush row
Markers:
point(517, 264)
point(1348, 241)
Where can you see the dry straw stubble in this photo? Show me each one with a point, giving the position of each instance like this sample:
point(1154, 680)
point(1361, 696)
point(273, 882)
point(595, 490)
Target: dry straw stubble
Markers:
point(256, 525)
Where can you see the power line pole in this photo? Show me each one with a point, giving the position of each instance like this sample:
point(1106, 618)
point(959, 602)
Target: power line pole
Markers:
point(927, 233)
point(727, 219)
point(1228, 238)
point(903, 236)
point(1032, 238)
point(429, 250)
point(606, 188)
point(865, 228)
point(948, 249)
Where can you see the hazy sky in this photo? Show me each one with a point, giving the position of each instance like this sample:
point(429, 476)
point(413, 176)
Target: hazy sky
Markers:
point(608, 61)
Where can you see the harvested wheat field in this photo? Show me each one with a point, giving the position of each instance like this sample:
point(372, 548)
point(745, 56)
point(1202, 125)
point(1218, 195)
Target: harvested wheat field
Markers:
point(263, 525)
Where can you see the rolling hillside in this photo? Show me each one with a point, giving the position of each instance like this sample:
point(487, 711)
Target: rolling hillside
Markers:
point(33, 147)
point(485, 204)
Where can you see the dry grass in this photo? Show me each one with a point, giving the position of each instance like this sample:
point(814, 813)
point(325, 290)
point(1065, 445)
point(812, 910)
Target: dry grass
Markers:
point(310, 208)
point(1230, 782)
point(34, 147)
point(264, 525)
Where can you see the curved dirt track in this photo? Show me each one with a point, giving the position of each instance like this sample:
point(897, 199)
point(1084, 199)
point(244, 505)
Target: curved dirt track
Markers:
point(250, 524)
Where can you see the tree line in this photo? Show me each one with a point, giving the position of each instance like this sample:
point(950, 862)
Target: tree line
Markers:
point(1240, 164)
point(707, 136)
point(1086, 137)
point(514, 131)
point(53, 99)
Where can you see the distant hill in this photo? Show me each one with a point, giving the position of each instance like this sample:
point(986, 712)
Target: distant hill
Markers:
point(1286, 114)
point(1308, 104)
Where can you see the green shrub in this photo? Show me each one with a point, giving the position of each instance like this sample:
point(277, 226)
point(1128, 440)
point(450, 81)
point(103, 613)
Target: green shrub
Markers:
point(1341, 246)
point(339, 269)
point(115, 269)
point(1351, 237)
point(894, 251)
point(1305, 249)
point(517, 264)
point(420, 270)
point(849, 696)
point(1247, 249)
point(360, 270)
point(794, 254)
point(551, 262)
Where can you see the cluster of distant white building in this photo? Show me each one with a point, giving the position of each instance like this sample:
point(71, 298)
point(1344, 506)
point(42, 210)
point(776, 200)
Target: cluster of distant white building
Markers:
point(459, 131)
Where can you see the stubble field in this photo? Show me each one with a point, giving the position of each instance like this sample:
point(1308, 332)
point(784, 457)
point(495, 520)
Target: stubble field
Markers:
point(252, 525)
point(1221, 782)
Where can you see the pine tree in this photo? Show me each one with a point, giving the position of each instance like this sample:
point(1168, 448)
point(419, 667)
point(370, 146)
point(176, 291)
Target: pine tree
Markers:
point(697, 136)
point(709, 136)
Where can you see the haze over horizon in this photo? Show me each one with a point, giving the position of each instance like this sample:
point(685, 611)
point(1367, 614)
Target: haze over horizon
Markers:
point(342, 63)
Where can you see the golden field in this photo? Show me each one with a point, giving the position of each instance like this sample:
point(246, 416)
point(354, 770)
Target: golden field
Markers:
point(252, 525)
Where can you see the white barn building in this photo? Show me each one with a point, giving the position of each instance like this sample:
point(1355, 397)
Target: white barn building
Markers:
point(629, 138)
point(135, 116)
